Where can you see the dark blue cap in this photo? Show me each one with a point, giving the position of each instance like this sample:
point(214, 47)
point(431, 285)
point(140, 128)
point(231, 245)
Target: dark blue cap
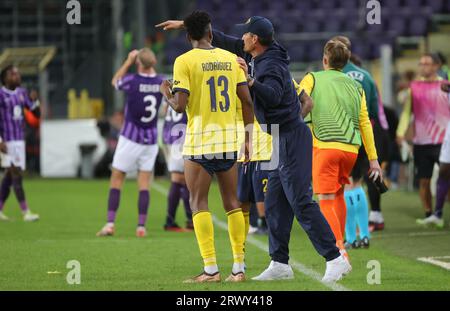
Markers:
point(257, 25)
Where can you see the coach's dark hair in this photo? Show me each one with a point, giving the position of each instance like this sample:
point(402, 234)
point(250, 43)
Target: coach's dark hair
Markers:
point(266, 41)
point(197, 24)
point(5, 72)
point(434, 57)
point(338, 54)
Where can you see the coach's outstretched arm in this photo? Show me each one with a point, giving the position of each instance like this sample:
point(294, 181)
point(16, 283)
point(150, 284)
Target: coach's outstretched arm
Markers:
point(232, 44)
point(131, 59)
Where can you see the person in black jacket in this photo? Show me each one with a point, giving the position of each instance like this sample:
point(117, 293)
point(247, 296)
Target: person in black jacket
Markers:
point(277, 105)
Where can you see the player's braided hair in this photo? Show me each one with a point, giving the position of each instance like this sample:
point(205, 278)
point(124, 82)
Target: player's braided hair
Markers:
point(4, 73)
point(338, 54)
point(196, 24)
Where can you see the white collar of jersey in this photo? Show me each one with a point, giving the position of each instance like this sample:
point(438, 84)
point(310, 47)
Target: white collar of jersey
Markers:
point(151, 75)
point(9, 91)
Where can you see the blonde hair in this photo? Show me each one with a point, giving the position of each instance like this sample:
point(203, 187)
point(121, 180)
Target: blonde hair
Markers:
point(146, 58)
point(337, 53)
point(344, 40)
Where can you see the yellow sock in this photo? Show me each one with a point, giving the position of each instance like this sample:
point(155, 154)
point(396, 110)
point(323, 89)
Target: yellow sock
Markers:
point(236, 230)
point(247, 223)
point(204, 231)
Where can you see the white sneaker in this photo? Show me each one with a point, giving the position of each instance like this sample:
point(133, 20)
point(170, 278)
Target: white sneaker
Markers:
point(107, 230)
point(29, 216)
point(252, 230)
point(376, 217)
point(336, 269)
point(431, 220)
point(276, 271)
point(3, 217)
point(141, 232)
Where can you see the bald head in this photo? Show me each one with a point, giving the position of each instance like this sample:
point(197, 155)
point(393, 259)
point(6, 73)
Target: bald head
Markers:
point(146, 58)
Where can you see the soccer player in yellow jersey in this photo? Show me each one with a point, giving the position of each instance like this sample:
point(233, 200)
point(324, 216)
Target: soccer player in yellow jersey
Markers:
point(206, 82)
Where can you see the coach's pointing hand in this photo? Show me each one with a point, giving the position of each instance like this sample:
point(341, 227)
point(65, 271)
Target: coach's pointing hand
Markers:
point(171, 25)
point(243, 65)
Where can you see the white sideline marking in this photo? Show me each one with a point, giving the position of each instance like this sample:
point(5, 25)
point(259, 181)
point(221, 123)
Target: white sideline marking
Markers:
point(263, 246)
point(408, 234)
point(436, 262)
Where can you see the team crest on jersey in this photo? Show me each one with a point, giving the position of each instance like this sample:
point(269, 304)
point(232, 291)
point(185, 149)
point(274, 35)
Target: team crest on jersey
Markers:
point(356, 75)
point(17, 113)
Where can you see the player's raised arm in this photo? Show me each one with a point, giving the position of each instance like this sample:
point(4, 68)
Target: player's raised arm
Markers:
point(131, 59)
point(179, 101)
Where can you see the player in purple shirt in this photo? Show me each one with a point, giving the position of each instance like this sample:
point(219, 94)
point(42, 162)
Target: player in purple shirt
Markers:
point(13, 100)
point(173, 139)
point(137, 147)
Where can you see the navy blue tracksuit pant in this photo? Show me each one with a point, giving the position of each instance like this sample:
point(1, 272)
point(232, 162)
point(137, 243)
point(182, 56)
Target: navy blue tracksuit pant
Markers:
point(289, 194)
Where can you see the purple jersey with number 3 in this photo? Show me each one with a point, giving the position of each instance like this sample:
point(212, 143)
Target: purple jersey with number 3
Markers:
point(12, 104)
point(174, 127)
point(141, 107)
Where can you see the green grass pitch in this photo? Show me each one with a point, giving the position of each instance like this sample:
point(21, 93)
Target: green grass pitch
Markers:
point(72, 211)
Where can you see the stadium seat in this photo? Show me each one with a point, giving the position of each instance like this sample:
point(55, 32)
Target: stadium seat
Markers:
point(414, 4)
point(289, 26)
point(397, 24)
point(333, 25)
point(314, 50)
point(279, 6)
point(392, 4)
point(436, 5)
point(297, 52)
point(418, 26)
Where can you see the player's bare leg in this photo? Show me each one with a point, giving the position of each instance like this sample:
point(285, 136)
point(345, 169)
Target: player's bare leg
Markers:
point(236, 224)
point(442, 188)
point(5, 190)
point(425, 195)
point(178, 190)
point(116, 181)
point(17, 185)
point(144, 181)
point(198, 181)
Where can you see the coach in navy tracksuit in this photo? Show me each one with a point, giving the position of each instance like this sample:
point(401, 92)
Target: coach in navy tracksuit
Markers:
point(289, 190)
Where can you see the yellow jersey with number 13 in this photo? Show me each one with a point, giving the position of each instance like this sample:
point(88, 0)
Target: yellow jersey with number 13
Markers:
point(210, 77)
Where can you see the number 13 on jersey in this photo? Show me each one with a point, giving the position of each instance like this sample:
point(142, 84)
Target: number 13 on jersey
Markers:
point(222, 83)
